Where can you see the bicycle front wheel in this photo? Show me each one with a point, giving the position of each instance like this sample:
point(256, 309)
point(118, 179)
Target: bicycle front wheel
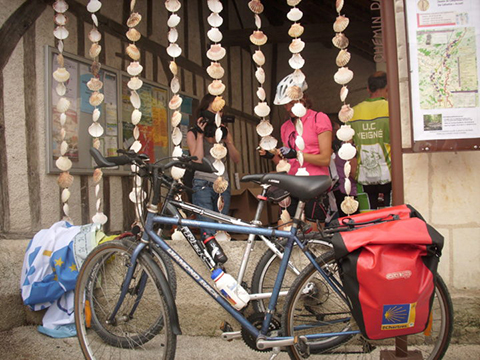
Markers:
point(142, 326)
point(313, 307)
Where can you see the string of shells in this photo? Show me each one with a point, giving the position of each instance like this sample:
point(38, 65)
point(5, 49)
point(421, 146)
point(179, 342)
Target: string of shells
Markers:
point(134, 69)
point(95, 85)
point(262, 110)
point(295, 92)
point(342, 77)
point(61, 76)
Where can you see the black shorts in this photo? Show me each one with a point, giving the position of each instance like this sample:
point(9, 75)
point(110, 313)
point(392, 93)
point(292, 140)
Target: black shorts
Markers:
point(315, 209)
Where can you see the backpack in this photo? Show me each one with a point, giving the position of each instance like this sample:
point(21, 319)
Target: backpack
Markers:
point(388, 261)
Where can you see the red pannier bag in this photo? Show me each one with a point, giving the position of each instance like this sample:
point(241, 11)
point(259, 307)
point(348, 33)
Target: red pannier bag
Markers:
point(389, 261)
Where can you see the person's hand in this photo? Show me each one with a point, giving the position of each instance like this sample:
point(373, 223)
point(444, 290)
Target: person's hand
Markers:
point(265, 154)
point(288, 153)
point(200, 126)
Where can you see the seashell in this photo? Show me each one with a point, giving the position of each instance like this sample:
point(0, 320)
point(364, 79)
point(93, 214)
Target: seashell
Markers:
point(173, 20)
point(294, 92)
point(215, 6)
point(222, 235)
point(173, 68)
point(215, 35)
point(61, 75)
point(133, 35)
point(135, 83)
point(283, 166)
point(133, 52)
point(268, 143)
point(345, 113)
point(134, 19)
point(261, 94)
point(97, 175)
point(175, 85)
point(340, 41)
point(176, 118)
point(136, 132)
point(63, 163)
point(94, 35)
point(218, 119)
point(173, 5)
point(96, 143)
point(302, 172)
point(95, 19)
point(296, 61)
point(347, 167)
point(95, 68)
point(298, 76)
point(63, 105)
point(96, 98)
point(136, 116)
point(177, 173)
point(349, 205)
point(295, 14)
point(63, 132)
point(260, 75)
point(218, 104)
point(343, 93)
point(216, 87)
point(65, 195)
point(218, 134)
point(60, 32)
point(347, 151)
point(300, 158)
point(343, 58)
point(339, 5)
point(216, 52)
point(66, 209)
point(285, 216)
point(340, 24)
point(63, 119)
point(95, 115)
point(343, 76)
point(259, 58)
point(262, 109)
point(296, 46)
point(136, 146)
point(172, 35)
point(60, 46)
point(60, 6)
point(215, 70)
point(61, 60)
point(296, 30)
point(175, 102)
point(134, 68)
point(258, 21)
point(61, 89)
point(60, 19)
point(174, 50)
point(285, 202)
point(293, 2)
point(345, 133)
point(65, 180)
point(264, 128)
point(99, 218)
point(135, 100)
point(220, 203)
point(94, 6)
point(256, 6)
point(94, 84)
point(95, 50)
point(63, 148)
point(348, 186)
point(220, 166)
point(299, 127)
point(218, 151)
point(177, 136)
point(299, 110)
point(300, 143)
point(177, 151)
point(95, 130)
point(215, 20)
point(258, 38)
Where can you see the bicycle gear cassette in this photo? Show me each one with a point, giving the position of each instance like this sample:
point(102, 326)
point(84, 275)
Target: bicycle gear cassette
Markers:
point(256, 319)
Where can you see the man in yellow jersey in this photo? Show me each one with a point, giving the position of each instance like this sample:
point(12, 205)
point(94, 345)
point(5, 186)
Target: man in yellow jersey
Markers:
point(372, 139)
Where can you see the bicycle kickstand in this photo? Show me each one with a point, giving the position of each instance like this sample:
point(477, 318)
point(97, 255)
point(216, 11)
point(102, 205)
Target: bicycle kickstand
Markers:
point(275, 352)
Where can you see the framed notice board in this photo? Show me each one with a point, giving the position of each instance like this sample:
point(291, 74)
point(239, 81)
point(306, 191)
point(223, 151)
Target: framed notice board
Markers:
point(444, 61)
point(115, 115)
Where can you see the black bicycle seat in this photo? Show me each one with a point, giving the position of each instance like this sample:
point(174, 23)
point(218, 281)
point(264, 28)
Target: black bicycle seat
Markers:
point(302, 187)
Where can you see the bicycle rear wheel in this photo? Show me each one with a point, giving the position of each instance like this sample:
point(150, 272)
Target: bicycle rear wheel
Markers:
point(142, 327)
point(313, 307)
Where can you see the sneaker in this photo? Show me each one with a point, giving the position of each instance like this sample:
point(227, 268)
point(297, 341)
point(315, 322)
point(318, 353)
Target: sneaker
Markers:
point(61, 331)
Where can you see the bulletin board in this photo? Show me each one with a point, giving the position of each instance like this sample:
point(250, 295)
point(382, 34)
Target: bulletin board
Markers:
point(115, 115)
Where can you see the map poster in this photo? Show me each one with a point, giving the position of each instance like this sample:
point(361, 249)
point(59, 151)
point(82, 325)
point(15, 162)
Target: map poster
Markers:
point(444, 51)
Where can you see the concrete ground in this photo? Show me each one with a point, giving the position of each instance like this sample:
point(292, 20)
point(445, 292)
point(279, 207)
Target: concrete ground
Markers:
point(26, 343)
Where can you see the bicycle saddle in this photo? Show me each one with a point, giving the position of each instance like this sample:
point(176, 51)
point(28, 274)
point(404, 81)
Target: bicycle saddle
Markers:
point(302, 187)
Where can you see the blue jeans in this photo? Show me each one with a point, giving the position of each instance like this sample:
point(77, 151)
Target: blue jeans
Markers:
point(205, 197)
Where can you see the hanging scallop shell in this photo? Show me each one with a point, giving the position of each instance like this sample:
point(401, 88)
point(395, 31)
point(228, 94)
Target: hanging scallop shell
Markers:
point(343, 76)
point(215, 20)
point(176, 118)
point(63, 105)
point(258, 57)
point(172, 35)
point(258, 21)
point(63, 118)
point(216, 52)
point(347, 151)
point(285, 203)
point(60, 6)
point(133, 52)
point(177, 173)
point(345, 114)
point(95, 68)
point(177, 136)
point(135, 100)
point(61, 75)
point(220, 166)
point(94, 84)
point(95, 20)
point(216, 87)
point(134, 19)
point(96, 98)
point(347, 168)
point(174, 50)
point(220, 203)
point(256, 6)
point(260, 75)
point(95, 130)
point(215, 70)
point(295, 14)
point(63, 163)
point(60, 46)
point(218, 119)
point(175, 102)
point(60, 32)
point(94, 35)
point(300, 143)
point(299, 110)
point(173, 68)
point(296, 46)
point(215, 6)
point(261, 94)
point(65, 180)
point(134, 83)
point(296, 30)
point(63, 148)
point(173, 5)
point(349, 205)
point(175, 85)
point(300, 158)
point(222, 236)
point(340, 24)
point(294, 92)
point(220, 185)
point(339, 5)
point(348, 186)
point(343, 58)
point(97, 175)
point(218, 104)
point(264, 128)
point(340, 41)
point(215, 35)
point(60, 19)
point(218, 134)
point(173, 20)
point(296, 61)
point(258, 38)
point(94, 6)
point(66, 210)
point(99, 218)
point(345, 133)
point(133, 35)
point(299, 127)
point(283, 166)
point(95, 50)
point(262, 109)
point(268, 143)
point(136, 116)
point(293, 2)
point(302, 172)
point(343, 93)
point(285, 216)
point(134, 68)
point(136, 146)
point(65, 195)
point(298, 76)
point(218, 151)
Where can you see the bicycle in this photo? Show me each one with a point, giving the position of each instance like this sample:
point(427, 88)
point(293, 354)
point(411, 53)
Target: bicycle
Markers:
point(315, 298)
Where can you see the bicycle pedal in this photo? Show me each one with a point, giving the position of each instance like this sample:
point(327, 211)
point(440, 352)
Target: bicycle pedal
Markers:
point(225, 327)
point(302, 347)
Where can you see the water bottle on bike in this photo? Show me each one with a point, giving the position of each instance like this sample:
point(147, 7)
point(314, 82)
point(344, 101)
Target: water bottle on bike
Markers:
point(214, 249)
point(230, 289)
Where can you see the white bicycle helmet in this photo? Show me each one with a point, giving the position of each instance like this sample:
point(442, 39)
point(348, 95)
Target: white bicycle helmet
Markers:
point(281, 97)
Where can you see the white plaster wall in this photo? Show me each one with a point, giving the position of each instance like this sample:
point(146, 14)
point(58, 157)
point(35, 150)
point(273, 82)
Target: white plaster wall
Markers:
point(8, 7)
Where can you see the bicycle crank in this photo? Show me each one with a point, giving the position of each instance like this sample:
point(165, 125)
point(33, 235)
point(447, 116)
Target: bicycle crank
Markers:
point(256, 319)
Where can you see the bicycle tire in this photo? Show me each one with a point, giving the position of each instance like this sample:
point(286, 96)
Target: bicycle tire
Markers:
point(267, 267)
point(146, 334)
point(432, 347)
